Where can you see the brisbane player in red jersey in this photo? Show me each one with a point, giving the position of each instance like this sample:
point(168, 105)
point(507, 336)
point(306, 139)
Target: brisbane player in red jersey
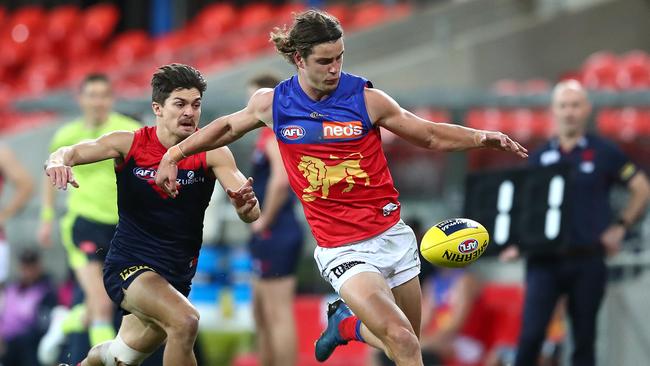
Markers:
point(327, 126)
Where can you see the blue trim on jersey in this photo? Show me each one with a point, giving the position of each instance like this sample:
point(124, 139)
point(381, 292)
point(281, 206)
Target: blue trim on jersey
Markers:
point(298, 119)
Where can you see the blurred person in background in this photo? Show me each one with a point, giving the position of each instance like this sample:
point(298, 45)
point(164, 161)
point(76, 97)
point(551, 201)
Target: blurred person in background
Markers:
point(276, 248)
point(25, 313)
point(153, 255)
point(89, 223)
point(578, 271)
point(327, 125)
point(14, 172)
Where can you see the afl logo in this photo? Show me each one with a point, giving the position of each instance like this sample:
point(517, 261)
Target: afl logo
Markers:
point(468, 246)
point(144, 174)
point(292, 132)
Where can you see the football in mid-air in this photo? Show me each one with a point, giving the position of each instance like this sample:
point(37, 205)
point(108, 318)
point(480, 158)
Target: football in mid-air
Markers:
point(454, 243)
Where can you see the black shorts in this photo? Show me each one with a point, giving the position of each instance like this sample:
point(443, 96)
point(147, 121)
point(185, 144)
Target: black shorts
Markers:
point(119, 273)
point(276, 255)
point(92, 238)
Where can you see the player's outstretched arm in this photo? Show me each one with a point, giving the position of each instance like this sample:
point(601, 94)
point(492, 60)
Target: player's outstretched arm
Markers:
point(217, 133)
point(58, 167)
point(239, 189)
point(385, 112)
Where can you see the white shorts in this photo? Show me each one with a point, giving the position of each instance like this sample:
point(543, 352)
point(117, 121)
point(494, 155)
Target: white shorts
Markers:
point(393, 254)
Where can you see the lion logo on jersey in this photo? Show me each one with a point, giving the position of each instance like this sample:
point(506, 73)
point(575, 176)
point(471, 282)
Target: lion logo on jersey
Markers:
point(321, 177)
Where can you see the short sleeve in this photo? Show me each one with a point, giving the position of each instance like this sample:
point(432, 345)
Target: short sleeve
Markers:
point(618, 165)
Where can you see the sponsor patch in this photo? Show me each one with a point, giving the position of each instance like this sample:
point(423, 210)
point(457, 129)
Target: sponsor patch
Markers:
point(128, 272)
point(292, 132)
point(339, 270)
point(449, 227)
point(342, 130)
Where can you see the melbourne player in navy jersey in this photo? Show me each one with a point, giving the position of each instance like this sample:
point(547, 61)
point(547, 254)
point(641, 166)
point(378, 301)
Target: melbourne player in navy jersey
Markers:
point(327, 125)
point(276, 247)
point(153, 255)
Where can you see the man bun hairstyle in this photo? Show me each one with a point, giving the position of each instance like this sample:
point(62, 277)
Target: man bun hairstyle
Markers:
point(309, 28)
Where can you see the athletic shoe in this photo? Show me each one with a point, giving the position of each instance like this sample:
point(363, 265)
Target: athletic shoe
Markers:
point(331, 338)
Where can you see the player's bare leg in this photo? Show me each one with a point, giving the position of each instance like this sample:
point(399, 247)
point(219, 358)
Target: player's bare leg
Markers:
point(382, 323)
point(99, 305)
point(408, 297)
point(262, 341)
point(144, 337)
point(278, 327)
point(151, 297)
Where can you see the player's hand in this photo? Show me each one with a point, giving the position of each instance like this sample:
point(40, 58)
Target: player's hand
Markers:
point(44, 235)
point(501, 141)
point(60, 175)
point(509, 254)
point(244, 200)
point(166, 176)
point(612, 239)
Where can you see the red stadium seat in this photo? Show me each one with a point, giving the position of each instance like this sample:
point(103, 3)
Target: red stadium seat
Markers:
point(284, 15)
point(599, 71)
point(255, 15)
point(624, 124)
point(340, 11)
point(215, 19)
point(368, 14)
point(535, 86)
point(99, 21)
point(634, 71)
point(127, 47)
point(62, 22)
point(433, 114)
point(508, 87)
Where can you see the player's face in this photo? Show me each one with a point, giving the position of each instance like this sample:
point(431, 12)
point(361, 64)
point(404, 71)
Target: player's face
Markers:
point(181, 112)
point(96, 101)
point(323, 67)
point(571, 110)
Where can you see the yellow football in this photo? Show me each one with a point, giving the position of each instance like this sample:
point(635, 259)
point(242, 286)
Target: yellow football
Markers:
point(454, 243)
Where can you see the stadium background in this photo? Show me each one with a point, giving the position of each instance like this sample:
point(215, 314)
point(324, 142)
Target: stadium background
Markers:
point(483, 63)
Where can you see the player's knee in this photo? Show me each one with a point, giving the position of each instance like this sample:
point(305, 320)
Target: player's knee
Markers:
point(401, 340)
point(185, 325)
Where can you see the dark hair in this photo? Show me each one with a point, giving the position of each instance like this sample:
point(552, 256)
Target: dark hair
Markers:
point(29, 256)
point(266, 80)
point(172, 77)
point(309, 28)
point(94, 77)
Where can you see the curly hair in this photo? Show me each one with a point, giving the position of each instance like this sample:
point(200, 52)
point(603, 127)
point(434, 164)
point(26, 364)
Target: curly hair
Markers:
point(309, 28)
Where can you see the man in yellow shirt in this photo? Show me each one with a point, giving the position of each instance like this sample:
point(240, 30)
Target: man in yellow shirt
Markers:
point(89, 223)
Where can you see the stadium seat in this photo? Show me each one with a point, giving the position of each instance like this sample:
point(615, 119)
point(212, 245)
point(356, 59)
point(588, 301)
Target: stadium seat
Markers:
point(128, 47)
point(368, 14)
point(61, 22)
point(624, 124)
point(341, 11)
point(99, 21)
point(255, 15)
point(284, 15)
point(634, 71)
point(599, 71)
point(215, 19)
point(506, 87)
point(535, 86)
